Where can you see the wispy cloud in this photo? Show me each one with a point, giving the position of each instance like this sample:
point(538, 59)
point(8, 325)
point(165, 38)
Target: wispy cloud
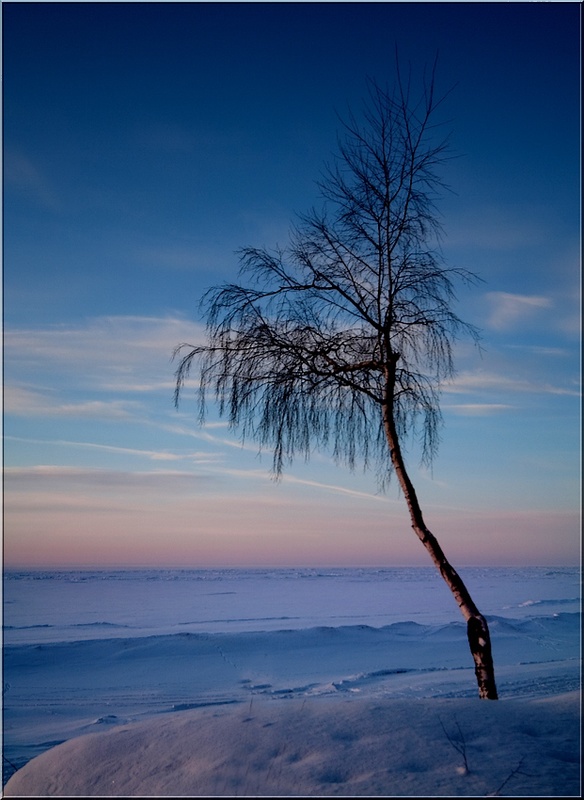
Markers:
point(539, 350)
point(198, 457)
point(509, 310)
point(23, 402)
point(477, 409)
point(335, 489)
point(45, 485)
point(480, 381)
point(202, 434)
point(47, 495)
point(106, 353)
point(49, 478)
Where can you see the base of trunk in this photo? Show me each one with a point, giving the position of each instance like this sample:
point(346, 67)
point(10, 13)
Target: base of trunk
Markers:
point(479, 640)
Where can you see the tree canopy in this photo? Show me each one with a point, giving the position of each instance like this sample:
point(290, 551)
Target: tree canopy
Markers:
point(299, 352)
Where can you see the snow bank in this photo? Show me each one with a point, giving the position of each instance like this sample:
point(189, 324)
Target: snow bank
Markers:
point(318, 746)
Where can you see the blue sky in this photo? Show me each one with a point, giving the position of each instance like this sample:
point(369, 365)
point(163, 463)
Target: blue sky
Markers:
point(143, 145)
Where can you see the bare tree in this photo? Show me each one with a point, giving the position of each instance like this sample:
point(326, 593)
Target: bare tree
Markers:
point(343, 339)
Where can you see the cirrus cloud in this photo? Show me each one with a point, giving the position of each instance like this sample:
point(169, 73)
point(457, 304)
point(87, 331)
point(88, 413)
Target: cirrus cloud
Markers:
point(508, 310)
point(128, 353)
point(23, 402)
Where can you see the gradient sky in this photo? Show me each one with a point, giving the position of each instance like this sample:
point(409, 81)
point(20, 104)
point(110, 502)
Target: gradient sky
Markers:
point(143, 145)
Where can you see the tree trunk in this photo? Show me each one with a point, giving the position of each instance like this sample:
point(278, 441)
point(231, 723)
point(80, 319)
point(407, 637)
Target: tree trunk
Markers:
point(477, 629)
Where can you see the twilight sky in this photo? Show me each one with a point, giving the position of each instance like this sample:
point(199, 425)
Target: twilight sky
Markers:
point(143, 145)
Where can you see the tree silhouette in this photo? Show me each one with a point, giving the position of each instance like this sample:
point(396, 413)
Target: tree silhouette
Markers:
point(343, 339)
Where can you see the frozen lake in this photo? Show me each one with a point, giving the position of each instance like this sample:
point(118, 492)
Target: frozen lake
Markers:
point(56, 606)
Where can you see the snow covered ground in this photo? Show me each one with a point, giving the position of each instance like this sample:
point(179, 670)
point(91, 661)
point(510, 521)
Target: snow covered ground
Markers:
point(302, 682)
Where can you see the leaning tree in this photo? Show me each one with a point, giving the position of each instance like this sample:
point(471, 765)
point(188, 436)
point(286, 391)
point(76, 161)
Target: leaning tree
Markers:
point(343, 339)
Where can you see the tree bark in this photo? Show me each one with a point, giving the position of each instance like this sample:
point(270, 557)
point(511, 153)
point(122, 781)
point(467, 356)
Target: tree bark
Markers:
point(477, 629)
